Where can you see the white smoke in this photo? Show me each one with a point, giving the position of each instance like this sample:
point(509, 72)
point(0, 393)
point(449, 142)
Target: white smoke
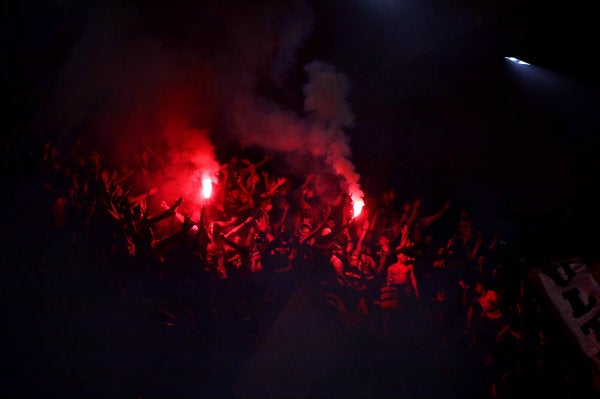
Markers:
point(319, 133)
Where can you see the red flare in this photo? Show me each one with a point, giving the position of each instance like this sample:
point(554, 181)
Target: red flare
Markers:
point(206, 187)
point(357, 206)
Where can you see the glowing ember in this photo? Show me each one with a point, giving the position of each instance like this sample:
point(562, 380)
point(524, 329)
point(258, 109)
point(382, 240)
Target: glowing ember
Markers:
point(357, 204)
point(206, 187)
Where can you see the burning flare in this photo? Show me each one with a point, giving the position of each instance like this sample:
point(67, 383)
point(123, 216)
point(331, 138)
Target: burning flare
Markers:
point(206, 186)
point(357, 206)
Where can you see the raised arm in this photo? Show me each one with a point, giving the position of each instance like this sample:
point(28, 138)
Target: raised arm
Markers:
point(271, 191)
point(166, 213)
point(413, 281)
point(440, 212)
point(277, 225)
point(238, 227)
point(476, 247)
point(318, 228)
point(363, 234)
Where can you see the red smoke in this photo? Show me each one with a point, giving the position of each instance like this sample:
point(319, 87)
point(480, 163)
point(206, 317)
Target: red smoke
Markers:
point(135, 83)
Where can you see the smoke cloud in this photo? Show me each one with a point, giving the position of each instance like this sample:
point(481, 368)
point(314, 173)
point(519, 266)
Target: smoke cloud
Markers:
point(140, 78)
point(318, 134)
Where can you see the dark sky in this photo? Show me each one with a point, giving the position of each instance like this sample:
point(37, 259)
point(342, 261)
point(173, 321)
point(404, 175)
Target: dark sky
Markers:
point(410, 95)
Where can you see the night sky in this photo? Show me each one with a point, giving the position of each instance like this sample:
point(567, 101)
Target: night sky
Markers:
point(411, 96)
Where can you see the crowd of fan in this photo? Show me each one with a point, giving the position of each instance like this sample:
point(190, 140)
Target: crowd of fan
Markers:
point(402, 275)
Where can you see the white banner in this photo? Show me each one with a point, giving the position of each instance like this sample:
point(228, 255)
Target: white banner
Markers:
point(576, 295)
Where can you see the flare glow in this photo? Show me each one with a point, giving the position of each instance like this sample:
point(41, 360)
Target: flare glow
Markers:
point(206, 187)
point(357, 205)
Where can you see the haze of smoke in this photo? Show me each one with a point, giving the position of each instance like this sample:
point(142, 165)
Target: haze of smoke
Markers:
point(134, 81)
point(318, 134)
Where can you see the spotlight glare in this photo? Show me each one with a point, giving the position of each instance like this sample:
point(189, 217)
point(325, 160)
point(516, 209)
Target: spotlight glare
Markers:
point(516, 61)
